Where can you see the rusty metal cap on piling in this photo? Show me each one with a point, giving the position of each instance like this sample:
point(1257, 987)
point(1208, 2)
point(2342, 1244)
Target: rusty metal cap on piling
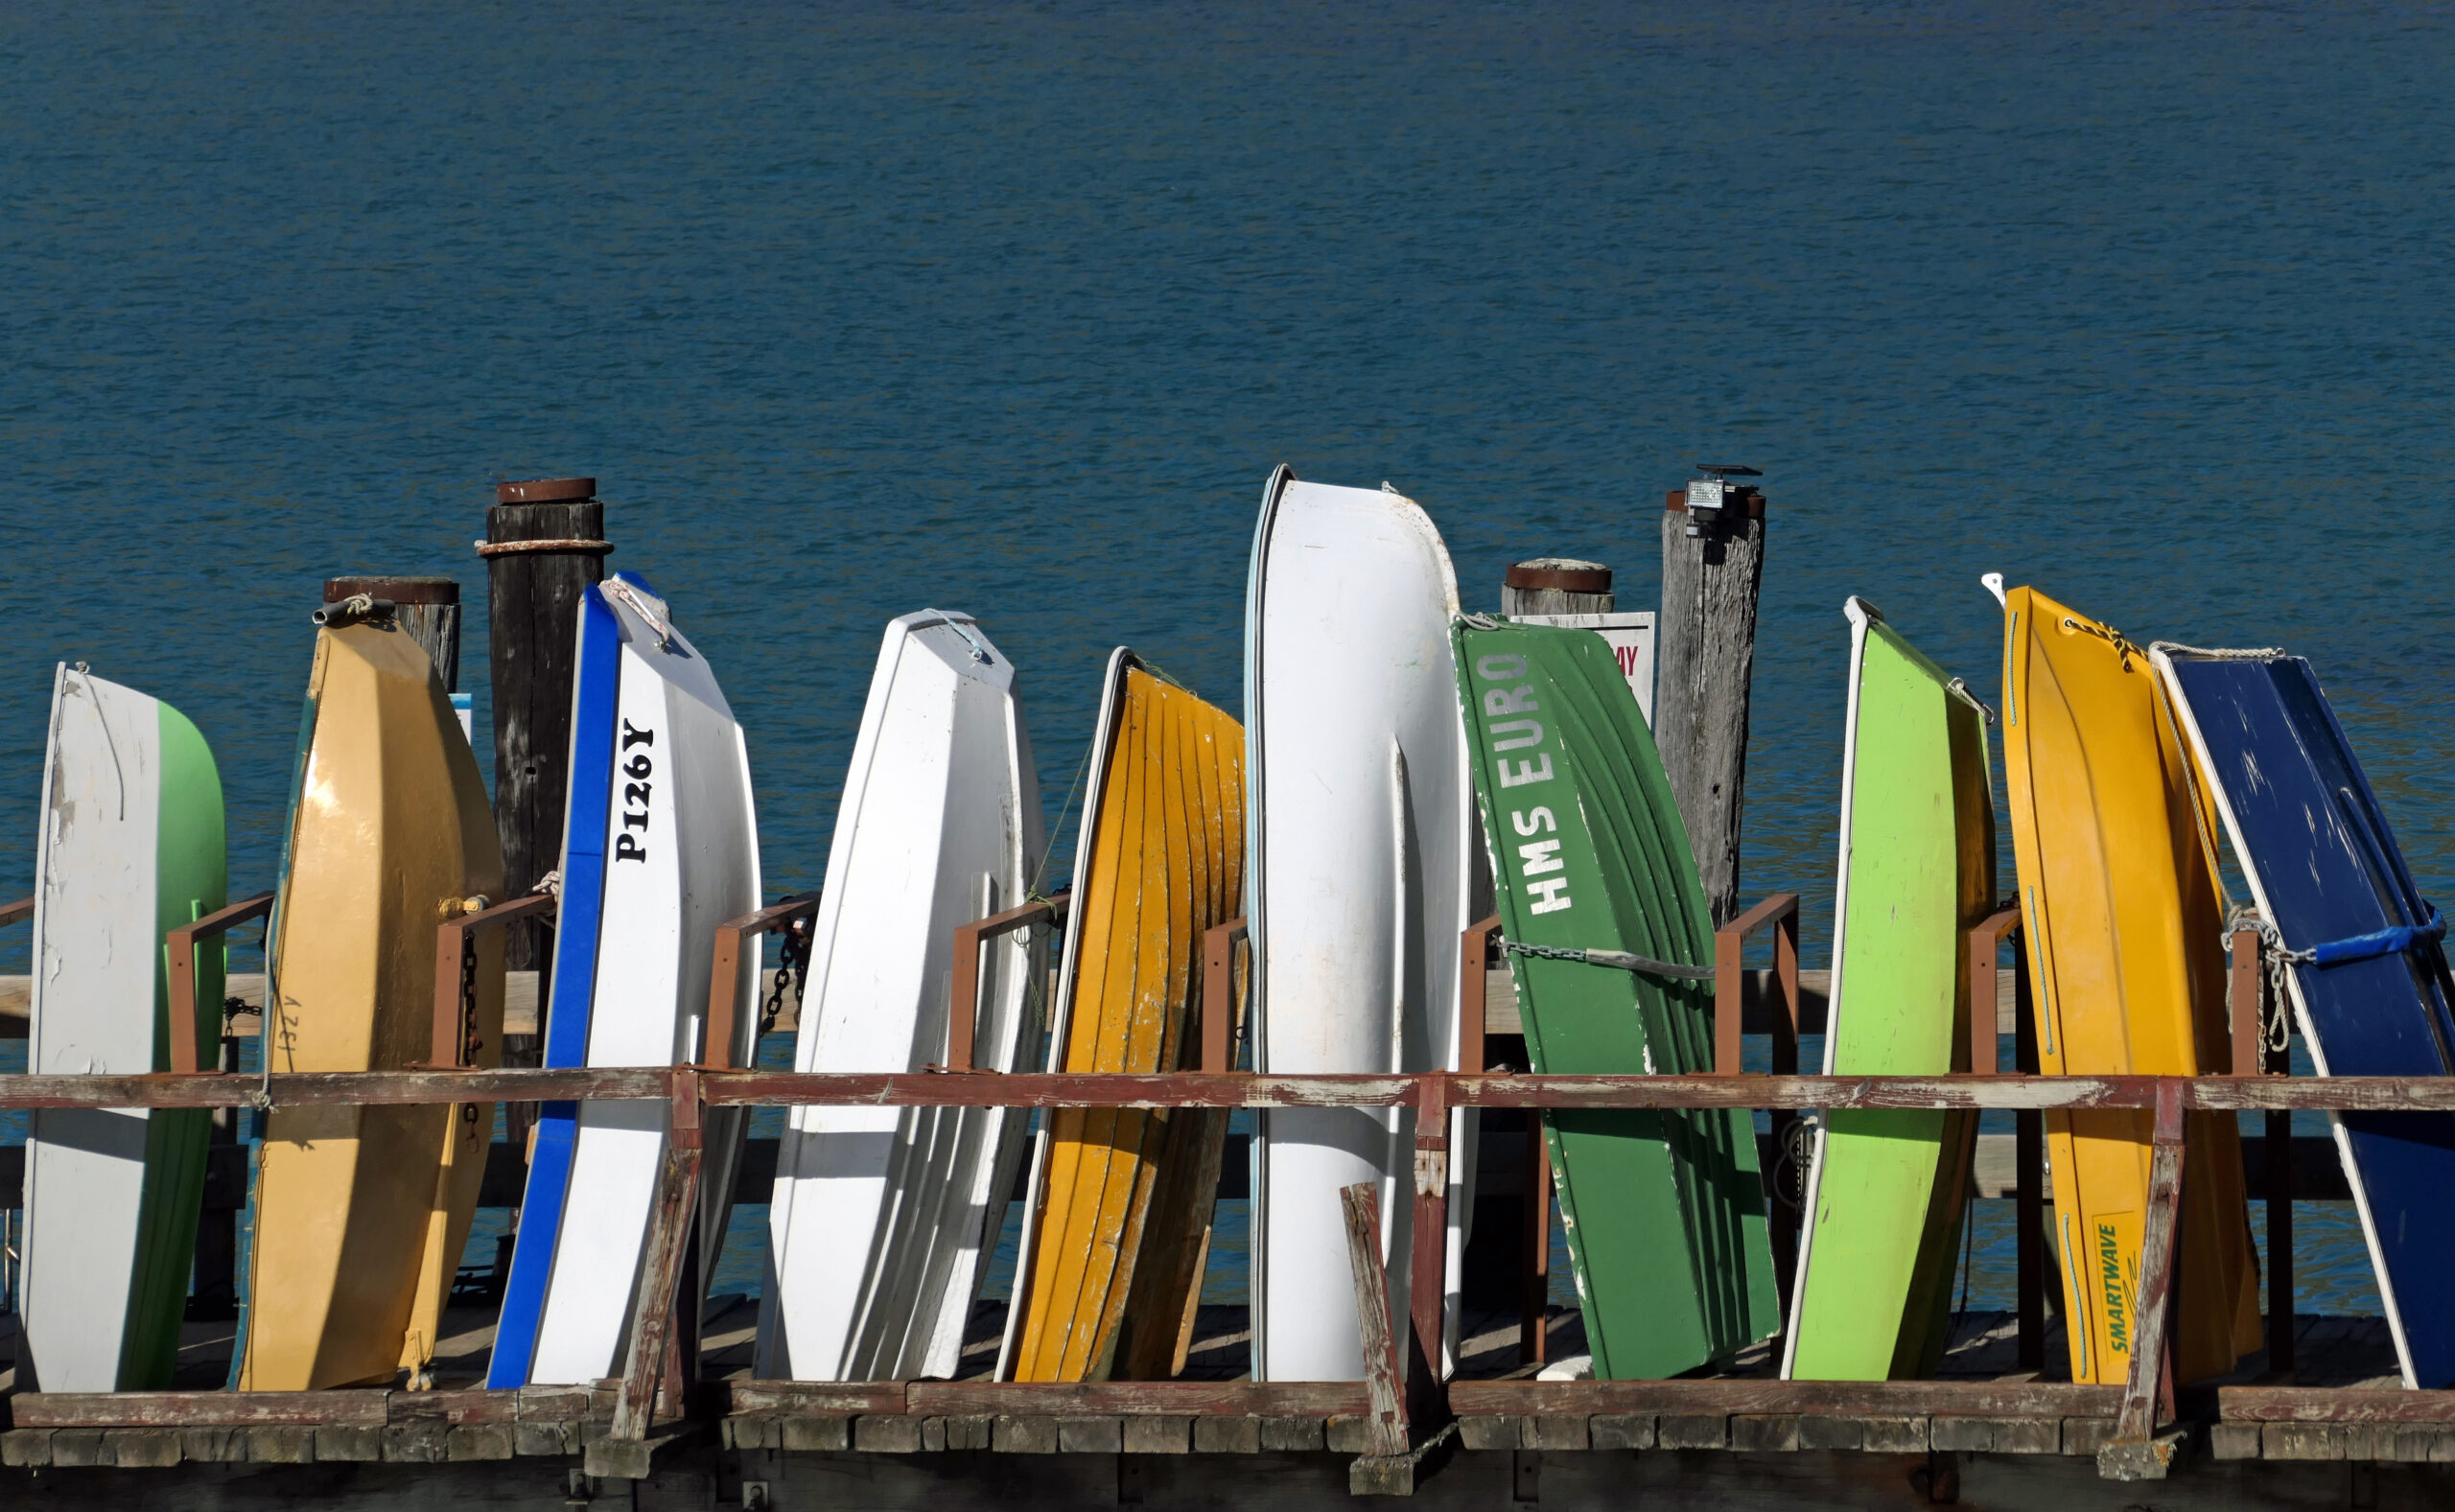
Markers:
point(398, 589)
point(1561, 574)
point(545, 490)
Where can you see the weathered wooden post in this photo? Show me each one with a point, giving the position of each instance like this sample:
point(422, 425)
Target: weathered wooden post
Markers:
point(544, 548)
point(427, 609)
point(1713, 560)
point(1556, 585)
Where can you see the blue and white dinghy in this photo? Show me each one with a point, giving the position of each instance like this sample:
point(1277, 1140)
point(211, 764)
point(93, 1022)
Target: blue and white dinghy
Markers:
point(883, 1217)
point(2368, 980)
point(660, 847)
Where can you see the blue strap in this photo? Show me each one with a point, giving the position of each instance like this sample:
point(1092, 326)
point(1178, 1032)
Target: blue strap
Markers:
point(2378, 943)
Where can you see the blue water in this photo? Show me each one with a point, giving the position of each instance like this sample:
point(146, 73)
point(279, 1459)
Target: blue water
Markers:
point(1011, 309)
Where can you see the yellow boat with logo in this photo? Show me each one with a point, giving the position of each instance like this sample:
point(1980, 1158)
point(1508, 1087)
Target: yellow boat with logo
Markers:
point(361, 1212)
point(1112, 1246)
point(2119, 899)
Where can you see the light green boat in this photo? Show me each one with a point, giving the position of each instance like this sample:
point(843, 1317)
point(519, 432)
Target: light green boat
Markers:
point(1886, 1189)
point(1665, 1212)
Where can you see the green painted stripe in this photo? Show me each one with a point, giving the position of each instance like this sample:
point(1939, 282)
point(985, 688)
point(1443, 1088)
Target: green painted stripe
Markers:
point(191, 879)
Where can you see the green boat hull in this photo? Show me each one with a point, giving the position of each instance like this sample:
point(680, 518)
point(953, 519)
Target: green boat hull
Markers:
point(1664, 1213)
point(1887, 1189)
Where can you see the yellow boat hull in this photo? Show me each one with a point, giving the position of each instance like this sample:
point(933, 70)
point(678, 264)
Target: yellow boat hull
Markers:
point(361, 1212)
point(1113, 1263)
point(2120, 900)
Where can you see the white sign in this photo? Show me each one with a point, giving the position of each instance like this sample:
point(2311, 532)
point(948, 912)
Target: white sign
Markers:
point(1630, 637)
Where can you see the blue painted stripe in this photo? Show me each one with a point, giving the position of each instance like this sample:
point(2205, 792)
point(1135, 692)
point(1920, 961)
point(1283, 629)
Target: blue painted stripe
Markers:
point(591, 789)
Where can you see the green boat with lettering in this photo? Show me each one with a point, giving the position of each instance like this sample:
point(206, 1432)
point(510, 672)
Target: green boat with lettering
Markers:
point(1664, 1209)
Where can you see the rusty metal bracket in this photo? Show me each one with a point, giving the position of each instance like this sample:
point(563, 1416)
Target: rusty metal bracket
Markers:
point(1474, 960)
point(1781, 912)
point(1985, 942)
point(1221, 1005)
point(962, 993)
point(449, 1046)
point(733, 947)
point(179, 947)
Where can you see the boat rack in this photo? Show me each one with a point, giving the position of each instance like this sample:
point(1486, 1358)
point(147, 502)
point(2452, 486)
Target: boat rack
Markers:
point(1402, 1421)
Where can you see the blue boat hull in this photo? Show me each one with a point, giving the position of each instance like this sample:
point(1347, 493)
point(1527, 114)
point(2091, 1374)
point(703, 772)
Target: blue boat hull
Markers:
point(2325, 866)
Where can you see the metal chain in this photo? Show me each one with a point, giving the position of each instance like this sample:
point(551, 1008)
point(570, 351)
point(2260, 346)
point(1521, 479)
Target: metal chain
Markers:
point(791, 960)
point(1798, 1149)
point(1616, 960)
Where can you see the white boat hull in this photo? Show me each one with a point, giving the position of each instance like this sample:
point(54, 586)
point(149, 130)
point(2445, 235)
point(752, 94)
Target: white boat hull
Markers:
point(96, 952)
point(1361, 864)
point(883, 1217)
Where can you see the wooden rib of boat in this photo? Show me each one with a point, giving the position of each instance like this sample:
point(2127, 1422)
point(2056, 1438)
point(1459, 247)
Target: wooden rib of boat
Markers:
point(2323, 866)
point(1885, 1189)
point(1361, 865)
point(1110, 1266)
point(132, 846)
point(361, 1213)
point(2118, 899)
point(660, 848)
point(883, 1217)
point(1664, 1213)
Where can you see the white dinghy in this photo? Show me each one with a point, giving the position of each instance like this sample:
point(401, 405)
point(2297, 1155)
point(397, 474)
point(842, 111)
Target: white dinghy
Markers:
point(132, 847)
point(882, 1217)
point(659, 847)
point(1360, 865)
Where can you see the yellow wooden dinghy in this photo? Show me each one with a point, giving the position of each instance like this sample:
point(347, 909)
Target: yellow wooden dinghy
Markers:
point(2119, 896)
point(1110, 1268)
point(361, 1212)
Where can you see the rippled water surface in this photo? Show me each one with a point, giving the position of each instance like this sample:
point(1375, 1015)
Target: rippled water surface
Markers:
point(855, 308)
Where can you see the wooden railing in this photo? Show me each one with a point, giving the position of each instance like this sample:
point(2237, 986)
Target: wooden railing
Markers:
point(1406, 1421)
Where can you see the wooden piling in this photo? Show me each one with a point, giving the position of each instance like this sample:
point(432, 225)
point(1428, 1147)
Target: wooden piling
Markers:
point(1707, 654)
point(428, 609)
point(544, 548)
point(1556, 585)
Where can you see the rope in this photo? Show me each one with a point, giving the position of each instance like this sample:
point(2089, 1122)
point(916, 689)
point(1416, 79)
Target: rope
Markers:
point(2393, 940)
point(665, 636)
point(980, 648)
point(2107, 634)
point(1480, 621)
point(2274, 1025)
point(520, 548)
point(2251, 654)
point(1057, 831)
point(1616, 960)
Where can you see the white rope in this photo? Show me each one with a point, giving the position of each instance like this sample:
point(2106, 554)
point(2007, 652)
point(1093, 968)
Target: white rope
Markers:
point(2247, 654)
point(979, 650)
point(665, 636)
point(2279, 961)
